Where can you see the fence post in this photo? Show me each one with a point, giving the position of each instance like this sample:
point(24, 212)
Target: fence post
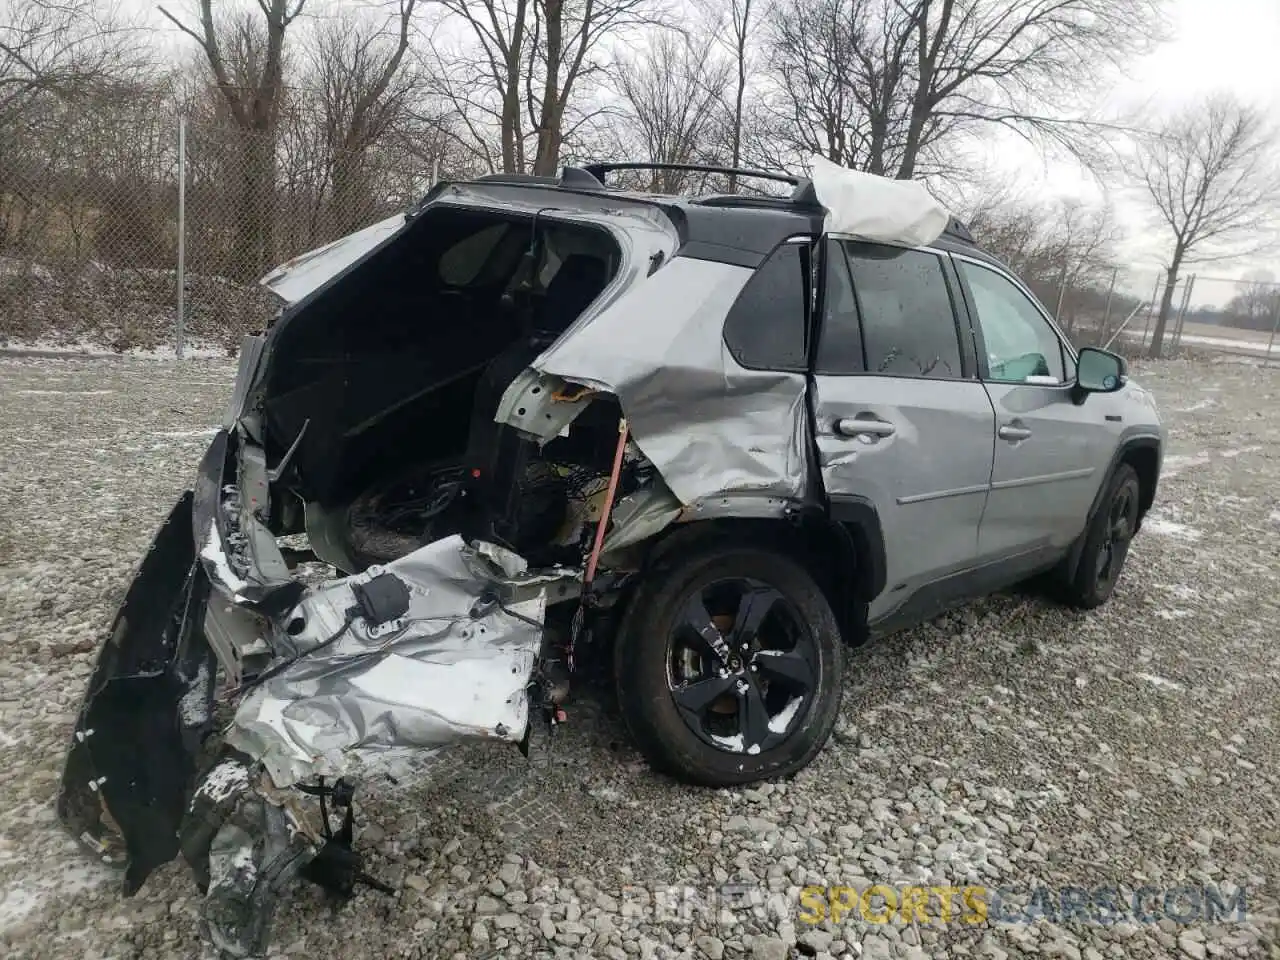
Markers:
point(1106, 315)
point(1120, 329)
point(182, 230)
point(1266, 361)
point(1155, 291)
point(1062, 292)
point(1182, 312)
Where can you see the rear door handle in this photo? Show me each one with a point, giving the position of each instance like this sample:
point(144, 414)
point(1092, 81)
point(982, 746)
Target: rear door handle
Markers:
point(856, 427)
point(1014, 432)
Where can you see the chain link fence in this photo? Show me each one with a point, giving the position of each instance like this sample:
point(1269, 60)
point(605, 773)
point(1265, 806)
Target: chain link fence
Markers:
point(97, 225)
point(132, 228)
point(1226, 316)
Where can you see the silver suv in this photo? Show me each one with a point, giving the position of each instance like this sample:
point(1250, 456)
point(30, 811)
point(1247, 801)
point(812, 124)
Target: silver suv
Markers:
point(536, 426)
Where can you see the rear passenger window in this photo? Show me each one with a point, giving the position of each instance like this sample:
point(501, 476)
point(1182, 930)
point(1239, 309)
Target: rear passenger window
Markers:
point(765, 327)
point(904, 305)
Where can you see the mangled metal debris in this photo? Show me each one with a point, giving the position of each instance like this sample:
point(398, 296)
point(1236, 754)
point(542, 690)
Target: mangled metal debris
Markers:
point(421, 652)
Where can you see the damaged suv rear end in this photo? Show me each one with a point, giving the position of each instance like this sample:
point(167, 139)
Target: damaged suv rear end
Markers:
point(711, 438)
point(439, 410)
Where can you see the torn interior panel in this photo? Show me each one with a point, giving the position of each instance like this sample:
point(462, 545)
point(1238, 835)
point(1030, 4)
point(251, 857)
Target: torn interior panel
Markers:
point(419, 652)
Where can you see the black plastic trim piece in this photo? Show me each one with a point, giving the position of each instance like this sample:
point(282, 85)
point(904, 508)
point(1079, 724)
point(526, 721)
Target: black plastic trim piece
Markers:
point(720, 253)
point(601, 170)
point(938, 596)
point(129, 767)
point(860, 518)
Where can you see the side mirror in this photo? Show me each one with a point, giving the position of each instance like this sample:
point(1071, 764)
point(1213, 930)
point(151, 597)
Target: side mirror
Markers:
point(1099, 371)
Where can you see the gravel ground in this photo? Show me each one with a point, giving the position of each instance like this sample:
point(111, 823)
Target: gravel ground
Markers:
point(1009, 744)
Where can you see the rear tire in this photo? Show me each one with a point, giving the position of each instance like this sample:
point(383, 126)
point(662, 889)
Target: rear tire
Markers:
point(1106, 543)
point(785, 659)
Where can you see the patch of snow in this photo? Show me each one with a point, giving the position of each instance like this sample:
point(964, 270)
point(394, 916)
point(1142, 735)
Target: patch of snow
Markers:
point(212, 551)
point(186, 434)
point(782, 721)
point(1198, 405)
point(1169, 528)
point(1161, 682)
point(1175, 465)
point(734, 743)
point(24, 895)
point(85, 349)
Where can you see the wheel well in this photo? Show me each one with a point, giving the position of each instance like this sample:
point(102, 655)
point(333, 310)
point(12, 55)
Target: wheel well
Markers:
point(1145, 461)
point(830, 554)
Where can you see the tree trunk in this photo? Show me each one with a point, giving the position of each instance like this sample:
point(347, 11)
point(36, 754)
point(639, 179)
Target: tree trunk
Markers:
point(512, 158)
point(252, 251)
point(1166, 307)
point(547, 158)
point(738, 97)
point(350, 205)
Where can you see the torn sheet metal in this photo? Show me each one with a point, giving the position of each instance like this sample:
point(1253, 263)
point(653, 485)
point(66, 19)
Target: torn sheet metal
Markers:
point(456, 665)
point(309, 271)
point(641, 515)
point(876, 208)
point(706, 423)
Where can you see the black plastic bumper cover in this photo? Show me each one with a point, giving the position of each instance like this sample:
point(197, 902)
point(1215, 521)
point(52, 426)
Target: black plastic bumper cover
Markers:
point(132, 759)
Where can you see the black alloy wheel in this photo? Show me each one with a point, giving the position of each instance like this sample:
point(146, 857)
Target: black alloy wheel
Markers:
point(728, 664)
point(741, 665)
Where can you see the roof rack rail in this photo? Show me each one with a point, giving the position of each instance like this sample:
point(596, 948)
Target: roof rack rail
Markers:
point(802, 195)
point(516, 178)
point(959, 229)
point(601, 170)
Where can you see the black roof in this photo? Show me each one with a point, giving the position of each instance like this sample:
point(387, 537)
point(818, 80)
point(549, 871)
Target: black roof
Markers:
point(730, 228)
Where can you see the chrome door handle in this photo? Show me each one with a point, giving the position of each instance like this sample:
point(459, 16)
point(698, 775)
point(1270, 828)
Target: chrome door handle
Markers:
point(854, 427)
point(1011, 432)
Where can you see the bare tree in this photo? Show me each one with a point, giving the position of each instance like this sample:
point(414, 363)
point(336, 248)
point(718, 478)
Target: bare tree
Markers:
point(364, 91)
point(1257, 306)
point(500, 27)
point(734, 25)
point(672, 90)
point(533, 57)
point(252, 87)
point(63, 48)
point(1211, 174)
point(883, 84)
point(740, 15)
point(1055, 246)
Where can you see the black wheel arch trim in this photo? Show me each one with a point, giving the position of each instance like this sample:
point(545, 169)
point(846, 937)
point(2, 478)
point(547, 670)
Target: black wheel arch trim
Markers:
point(1121, 454)
point(857, 519)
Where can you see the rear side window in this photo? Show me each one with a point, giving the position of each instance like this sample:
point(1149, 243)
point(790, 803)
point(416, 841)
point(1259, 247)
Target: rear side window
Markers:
point(765, 328)
point(904, 305)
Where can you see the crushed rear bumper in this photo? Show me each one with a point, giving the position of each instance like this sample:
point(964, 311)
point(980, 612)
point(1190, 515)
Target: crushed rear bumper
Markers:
point(133, 751)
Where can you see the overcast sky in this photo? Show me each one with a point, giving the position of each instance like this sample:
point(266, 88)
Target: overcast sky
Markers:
point(1216, 45)
point(1227, 45)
